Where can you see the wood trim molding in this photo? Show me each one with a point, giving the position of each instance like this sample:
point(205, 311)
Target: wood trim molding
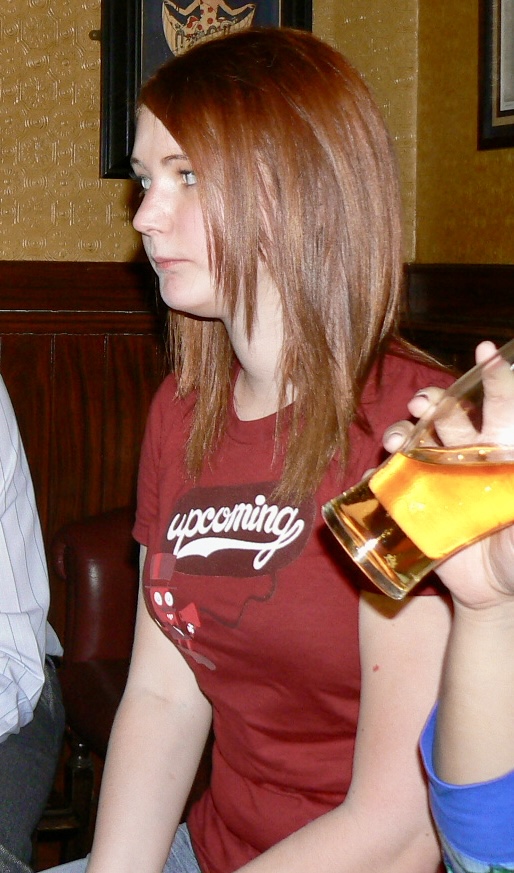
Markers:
point(461, 298)
point(81, 354)
point(65, 297)
point(449, 308)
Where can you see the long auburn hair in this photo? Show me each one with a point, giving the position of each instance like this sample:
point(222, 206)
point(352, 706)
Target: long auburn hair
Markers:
point(295, 167)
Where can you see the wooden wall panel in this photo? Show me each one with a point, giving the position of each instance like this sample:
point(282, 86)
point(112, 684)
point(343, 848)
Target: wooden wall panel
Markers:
point(132, 366)
point(81, 353)
point(449, 308)
point(78, 377)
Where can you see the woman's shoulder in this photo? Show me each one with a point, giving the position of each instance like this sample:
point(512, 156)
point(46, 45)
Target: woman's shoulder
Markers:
point(405, 361)
point(168, 400)
point(405, 368)
point(393, 381)
point(167, 390)
point(169, 412)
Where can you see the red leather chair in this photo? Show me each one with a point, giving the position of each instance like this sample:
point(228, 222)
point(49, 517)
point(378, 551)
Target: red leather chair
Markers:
point(98, 560)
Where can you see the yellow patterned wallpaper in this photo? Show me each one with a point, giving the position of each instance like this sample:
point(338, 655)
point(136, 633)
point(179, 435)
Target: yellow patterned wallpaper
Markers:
point(380, 39)
point(55, 206)
point(465, 204)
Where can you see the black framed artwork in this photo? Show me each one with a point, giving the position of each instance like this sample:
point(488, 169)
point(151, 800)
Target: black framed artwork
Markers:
point(138, 35)
point(496, 81)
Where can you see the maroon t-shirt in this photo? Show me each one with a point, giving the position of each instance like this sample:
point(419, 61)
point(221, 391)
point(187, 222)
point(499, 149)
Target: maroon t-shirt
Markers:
point(263, 604)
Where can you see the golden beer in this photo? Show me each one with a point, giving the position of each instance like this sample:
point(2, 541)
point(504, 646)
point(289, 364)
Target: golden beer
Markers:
point(420, 507)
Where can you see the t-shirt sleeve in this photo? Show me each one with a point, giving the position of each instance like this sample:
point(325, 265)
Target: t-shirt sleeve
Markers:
point(475, 822)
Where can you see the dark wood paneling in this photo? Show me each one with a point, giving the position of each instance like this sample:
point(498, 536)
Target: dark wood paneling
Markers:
point(78, 423)
point(133, 366)
point(47, 292)
point(81, 353)
point(449, 308)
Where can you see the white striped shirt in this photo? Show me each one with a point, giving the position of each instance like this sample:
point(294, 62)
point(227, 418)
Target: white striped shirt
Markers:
point(25, 635)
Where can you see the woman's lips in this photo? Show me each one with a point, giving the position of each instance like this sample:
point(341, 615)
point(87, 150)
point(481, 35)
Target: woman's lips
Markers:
point(167, 263)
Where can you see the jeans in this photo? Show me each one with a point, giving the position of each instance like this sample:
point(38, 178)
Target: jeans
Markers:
point(28, 761)
point(180, 860)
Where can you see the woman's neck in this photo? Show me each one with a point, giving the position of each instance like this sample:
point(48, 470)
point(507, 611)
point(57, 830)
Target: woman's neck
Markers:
point(255, 396)
point(258, 386)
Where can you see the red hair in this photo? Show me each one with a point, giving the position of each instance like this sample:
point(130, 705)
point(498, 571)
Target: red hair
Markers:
point(295, 167)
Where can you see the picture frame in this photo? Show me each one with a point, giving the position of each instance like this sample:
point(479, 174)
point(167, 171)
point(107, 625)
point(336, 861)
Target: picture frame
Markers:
point(133, 44)
point(496, 75)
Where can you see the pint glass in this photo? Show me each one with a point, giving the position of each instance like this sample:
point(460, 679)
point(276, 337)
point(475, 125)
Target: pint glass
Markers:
point(451, 484)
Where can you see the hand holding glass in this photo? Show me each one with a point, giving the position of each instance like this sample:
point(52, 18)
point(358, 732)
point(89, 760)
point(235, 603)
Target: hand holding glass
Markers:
point(451, 483)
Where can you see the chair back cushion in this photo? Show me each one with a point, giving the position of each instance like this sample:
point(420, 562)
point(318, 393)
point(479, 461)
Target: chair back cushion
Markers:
point(98, 559)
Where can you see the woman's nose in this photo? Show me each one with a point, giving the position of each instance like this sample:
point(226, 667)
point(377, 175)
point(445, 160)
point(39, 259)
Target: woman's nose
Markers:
point(149, 216)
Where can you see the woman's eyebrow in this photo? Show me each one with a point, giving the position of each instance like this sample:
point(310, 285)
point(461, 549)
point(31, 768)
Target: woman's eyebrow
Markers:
point(168, 159)
point(175, 157)
point(135, 162)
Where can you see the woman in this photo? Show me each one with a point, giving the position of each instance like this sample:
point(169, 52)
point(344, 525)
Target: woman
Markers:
point(271, 215)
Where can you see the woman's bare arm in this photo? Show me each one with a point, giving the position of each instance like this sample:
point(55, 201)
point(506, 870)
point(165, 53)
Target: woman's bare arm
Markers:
point(384, 824)
point(156, 743)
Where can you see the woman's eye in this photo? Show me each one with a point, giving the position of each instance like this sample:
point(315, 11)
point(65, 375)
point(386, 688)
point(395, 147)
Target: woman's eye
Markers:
point(143, 181)
point(189, 177)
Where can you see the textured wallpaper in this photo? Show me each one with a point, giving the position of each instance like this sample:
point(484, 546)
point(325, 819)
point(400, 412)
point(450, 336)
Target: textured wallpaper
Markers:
point(465, 201)
point(457, 201)
point(380, 39)
point(53, 203)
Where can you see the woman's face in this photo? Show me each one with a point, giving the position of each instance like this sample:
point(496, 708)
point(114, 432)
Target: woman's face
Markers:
point(170, 220)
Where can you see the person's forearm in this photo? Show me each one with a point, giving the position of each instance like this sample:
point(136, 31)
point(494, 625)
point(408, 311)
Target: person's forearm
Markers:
point(145, 785)
point(475, 724)
point(339, 842)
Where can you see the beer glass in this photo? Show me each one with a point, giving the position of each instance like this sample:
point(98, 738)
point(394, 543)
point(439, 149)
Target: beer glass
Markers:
point(450, 484)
